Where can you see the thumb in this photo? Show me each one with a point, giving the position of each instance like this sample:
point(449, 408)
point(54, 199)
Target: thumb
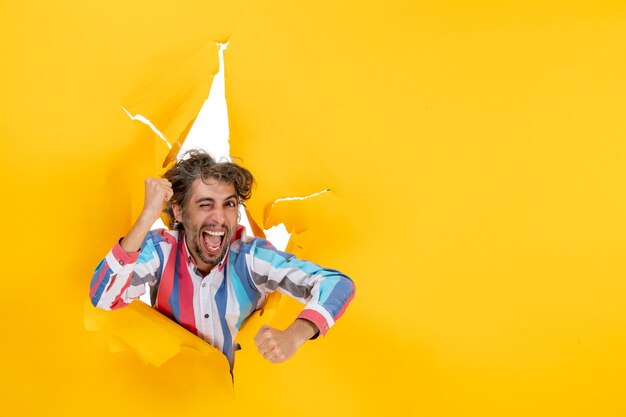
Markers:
point(257, 336)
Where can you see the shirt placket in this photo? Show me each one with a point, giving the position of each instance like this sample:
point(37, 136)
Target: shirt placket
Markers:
point(208, 289)
point(206, 309)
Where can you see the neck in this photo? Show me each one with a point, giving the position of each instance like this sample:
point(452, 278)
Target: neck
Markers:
point(204, 268)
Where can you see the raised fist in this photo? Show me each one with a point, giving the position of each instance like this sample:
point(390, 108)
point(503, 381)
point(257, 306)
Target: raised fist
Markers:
point(158, 192)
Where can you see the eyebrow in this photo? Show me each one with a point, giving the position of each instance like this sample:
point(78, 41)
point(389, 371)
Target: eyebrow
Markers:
point(212, 200)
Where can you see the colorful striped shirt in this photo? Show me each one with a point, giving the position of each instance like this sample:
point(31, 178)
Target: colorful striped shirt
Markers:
point(214, 306)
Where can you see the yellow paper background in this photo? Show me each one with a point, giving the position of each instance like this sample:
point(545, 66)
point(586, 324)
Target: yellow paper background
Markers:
point(474, 156)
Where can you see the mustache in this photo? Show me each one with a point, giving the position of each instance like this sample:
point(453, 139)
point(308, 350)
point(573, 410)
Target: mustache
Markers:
point(214, 225)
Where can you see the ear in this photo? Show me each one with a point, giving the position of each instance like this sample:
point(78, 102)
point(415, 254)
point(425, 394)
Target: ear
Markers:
point(178, 216)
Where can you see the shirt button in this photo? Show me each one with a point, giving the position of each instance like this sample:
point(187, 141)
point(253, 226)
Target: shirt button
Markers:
point(121, 262)
point(206, 316)
point(204, 285)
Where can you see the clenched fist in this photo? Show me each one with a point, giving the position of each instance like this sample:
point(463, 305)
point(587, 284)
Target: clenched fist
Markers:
point(158, 192)
point(279, 345)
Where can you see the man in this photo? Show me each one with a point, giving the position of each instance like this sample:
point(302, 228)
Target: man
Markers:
point(205, 273)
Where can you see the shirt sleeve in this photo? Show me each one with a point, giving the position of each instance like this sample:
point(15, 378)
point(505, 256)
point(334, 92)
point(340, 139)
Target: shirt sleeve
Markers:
point(325, 292)
point(122, 276)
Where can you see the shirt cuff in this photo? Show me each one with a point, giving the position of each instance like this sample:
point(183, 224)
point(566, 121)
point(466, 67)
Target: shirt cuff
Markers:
point(123, 257)
point(317, 319)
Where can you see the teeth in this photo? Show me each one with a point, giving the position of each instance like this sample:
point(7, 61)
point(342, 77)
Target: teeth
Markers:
point(211, 233)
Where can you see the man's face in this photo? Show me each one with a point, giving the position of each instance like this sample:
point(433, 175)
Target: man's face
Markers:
point(209, 220)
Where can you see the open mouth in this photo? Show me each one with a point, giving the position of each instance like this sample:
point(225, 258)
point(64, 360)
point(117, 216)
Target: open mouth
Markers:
point(213, 240)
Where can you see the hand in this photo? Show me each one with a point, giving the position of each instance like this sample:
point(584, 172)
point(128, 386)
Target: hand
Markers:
point(158, 192)
point(279, 345)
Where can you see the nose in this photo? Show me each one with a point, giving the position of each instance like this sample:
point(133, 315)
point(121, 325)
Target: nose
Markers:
point(218, 215)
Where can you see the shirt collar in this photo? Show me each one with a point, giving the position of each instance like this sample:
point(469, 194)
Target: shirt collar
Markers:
point(239, 231)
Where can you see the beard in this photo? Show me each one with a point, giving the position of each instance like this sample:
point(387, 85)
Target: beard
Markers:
point(209, 259)
point(196, 243)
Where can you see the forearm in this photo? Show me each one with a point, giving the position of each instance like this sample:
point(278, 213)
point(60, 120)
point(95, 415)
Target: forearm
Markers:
point(135, 237)
point(301, 330)
point(158, 192)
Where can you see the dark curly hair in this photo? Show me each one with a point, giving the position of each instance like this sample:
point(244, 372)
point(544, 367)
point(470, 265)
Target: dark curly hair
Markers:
point(197, 164)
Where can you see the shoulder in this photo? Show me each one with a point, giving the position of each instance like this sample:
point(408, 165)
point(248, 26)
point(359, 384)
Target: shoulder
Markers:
point(163, 236)
point(242, 243)
point(254, 244)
